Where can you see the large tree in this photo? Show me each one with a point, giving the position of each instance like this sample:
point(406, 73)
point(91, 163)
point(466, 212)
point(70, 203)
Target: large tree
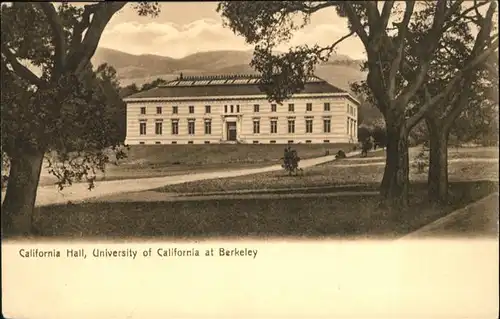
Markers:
point(267, 24)
point(456, 81)
point(51, 112)
point(471, 92)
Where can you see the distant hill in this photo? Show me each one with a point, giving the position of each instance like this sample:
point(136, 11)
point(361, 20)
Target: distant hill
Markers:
point(340, 70)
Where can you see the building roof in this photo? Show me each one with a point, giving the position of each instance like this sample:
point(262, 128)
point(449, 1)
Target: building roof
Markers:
point(224, 85)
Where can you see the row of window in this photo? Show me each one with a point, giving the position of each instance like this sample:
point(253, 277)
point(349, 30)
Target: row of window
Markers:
point(351, 110)
point(175, 128)
point(256, 127)
point(351, 127)
point(291, 126)
point(233, 108)
point(253, 142)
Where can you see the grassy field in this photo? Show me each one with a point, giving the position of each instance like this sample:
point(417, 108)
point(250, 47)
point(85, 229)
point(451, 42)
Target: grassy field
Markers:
point(352, 216)
point(346, 217)
point(334, 174)
point(166, 160)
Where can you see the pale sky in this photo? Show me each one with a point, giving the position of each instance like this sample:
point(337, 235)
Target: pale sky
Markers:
point(184, 28)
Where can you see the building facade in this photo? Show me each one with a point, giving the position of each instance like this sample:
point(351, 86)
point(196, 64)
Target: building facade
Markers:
point(232, 109)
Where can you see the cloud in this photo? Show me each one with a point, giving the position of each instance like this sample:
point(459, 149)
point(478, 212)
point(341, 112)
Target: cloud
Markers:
point(176, 40)
point(171, 39)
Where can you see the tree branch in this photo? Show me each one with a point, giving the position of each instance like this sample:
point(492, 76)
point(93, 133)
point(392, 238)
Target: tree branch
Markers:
point(312, 9)
point(18, 68)
point(473, 63)
point(356, 23)
point(386, 13)
point(330, 48)
point(463, 14)
point(400, 41)
point(58, 36)
point(430, 43)
point(81, 55)
point(76, 38)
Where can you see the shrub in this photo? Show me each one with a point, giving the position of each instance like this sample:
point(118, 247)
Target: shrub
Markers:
point(340, 154)
point(422, 160)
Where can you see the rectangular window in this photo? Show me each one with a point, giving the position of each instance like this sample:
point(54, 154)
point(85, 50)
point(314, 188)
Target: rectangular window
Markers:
point(142, 128)
point(309, 126)
point(326, 125)
point(274, 126)
point(158, 128)
point(174, 142)
point(175, 128)
point(191, 127)
point(273, 107)
point(326, 141)
point(291, 126)
point(191, 109)
point(256, 108)
point(157, 142)
point(256, 142)
point(272, 142)
point(348, 128)
point(256, 127)
point(309, 107)
point(348, 108)
point(142, 143)
point(326, 107)
point(291, 107)
point(237, 108)
point(158, 110)
point(143, 110)
point(208, 109)
point(225, 108)
point(208, 127)
point(207, 142)
point(175, 109)
point(232, 108)
point(190, 142)
point(308, 141)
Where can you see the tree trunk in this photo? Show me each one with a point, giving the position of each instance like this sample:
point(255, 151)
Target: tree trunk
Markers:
point(438, 162)
point(395, 183)
point(17, 208)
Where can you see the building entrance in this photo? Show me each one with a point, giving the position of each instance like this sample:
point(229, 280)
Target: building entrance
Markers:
point(231, 131)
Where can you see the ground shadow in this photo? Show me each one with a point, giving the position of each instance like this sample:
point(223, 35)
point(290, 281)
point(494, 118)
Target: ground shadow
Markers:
point(356, 216)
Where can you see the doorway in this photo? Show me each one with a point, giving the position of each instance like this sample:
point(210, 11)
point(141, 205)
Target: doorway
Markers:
point(231, 131)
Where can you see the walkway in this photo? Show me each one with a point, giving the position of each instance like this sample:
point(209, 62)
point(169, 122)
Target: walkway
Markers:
point(48, 195)
point(477, 219)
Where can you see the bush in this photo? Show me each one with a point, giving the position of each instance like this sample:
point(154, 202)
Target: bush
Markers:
point(364, 132)
point(380, 136)
point(340, 154)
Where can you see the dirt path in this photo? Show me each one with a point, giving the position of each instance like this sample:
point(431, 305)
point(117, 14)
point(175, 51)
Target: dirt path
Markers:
point(51, 195)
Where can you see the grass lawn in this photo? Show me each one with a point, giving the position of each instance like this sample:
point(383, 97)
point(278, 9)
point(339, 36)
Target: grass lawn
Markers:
point(328, 175)
point(322, 217)
point(145, 161)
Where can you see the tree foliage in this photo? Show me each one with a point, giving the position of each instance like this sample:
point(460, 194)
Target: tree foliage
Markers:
point(400, 56)
point(53, 103)
point(68, 108)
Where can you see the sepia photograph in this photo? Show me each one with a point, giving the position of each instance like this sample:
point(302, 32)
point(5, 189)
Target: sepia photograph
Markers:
point(240, 137)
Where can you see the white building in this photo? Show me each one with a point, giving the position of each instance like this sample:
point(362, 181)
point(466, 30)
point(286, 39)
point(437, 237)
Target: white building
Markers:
point(225, 109)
